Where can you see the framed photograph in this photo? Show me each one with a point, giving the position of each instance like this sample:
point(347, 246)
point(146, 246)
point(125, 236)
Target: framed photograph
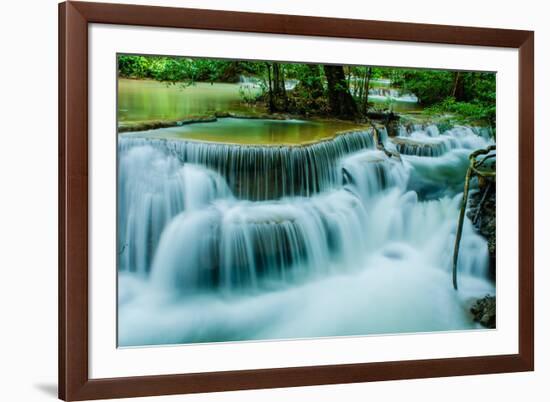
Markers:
point(260, 200)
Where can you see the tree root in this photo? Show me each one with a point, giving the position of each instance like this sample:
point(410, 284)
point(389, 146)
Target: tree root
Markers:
point(473, 170)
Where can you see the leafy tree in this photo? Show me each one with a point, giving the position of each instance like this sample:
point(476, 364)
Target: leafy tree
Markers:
point(430, 86)
point(340, 91)
point(341, 103)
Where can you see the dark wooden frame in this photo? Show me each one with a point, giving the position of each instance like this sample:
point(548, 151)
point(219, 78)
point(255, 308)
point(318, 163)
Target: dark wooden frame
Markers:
point(74, 17)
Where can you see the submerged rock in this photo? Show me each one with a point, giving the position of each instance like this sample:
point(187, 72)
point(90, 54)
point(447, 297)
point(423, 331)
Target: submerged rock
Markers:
point(484, 311)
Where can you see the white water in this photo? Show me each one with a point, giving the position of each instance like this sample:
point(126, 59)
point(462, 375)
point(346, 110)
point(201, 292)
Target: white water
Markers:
point(394, 94)
point(361, 255)
point(427, 141)
point(257, 172)
point(255, 83)
point(153, 189)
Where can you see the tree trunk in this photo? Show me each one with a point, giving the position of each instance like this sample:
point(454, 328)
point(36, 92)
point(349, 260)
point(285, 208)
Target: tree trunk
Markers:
point(269, 89)
point(283, 88)
point(458, 87)
point(231, 73)
point(280, 101)
point(358, 89)
point(276, 80)
point(367, 85)
point(341, 103)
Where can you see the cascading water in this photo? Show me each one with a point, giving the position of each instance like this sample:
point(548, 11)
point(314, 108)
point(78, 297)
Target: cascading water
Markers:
point(263, 172)
point(371, 172)
point(152, 189)
point(249, 245)
point(438, 160)
point(427, 141)
point(391, 93)
point(223, 242)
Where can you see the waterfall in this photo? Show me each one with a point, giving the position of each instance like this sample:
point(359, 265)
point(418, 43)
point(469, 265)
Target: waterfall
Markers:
point(220, 242)
point(249, 82)
point(152, 189)
point(253, 82)
point(427, 140)
point(263, 172)
point(252, 244)
point(391, 93)
point(385, 92)
point(371, 172)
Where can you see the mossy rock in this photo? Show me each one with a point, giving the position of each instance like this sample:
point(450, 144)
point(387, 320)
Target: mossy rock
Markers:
point(484, 311)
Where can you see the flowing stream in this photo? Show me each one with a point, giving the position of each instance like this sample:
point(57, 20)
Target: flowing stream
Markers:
point(228, 242)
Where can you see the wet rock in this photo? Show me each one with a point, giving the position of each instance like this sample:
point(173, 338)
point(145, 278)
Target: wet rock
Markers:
point(221, 114)
point(193, 120)
point(393, 128)
point(484, 311)
point(482, 213)
point(387, 117)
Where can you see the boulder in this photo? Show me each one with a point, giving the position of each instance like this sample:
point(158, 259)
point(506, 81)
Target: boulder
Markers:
point(484, 311)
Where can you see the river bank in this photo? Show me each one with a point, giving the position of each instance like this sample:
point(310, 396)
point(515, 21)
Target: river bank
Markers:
point(145, 104)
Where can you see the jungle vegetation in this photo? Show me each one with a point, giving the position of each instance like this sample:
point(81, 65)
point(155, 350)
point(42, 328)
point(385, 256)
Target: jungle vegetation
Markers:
point(327, 90)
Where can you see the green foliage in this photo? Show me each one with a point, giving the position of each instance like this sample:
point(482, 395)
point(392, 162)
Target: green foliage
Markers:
point(468, 95)
point(248, 94)
point(180, 69)
point(133, 66)
point(308, 96)
point(444, 125)
point(471, 96)
point(430, 86)
point(480, 87)
point(465, 111)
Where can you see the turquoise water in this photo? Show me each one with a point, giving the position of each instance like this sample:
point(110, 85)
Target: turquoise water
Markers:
point(255, 131)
